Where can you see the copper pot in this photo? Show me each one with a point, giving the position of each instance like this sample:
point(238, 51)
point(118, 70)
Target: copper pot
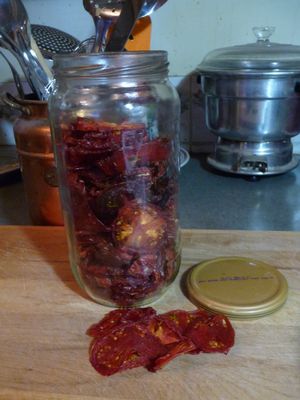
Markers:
point(34, 146)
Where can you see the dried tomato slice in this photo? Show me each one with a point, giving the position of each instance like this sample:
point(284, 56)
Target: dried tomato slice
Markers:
point(78, 157)
point(83, 214)
point(124, 348)
point(147, 266)
point(135, 152)
point(213, 334)
point(107, 203)
point(89, 140)
point(154, 151)
point(182, 347)
point(83, 124)
point(117, 318)
point(130, 338)
point(179, 319)
point(101, 253)
point(139, 226)
point(164, 331)
point(127, 290)
point(209, 332)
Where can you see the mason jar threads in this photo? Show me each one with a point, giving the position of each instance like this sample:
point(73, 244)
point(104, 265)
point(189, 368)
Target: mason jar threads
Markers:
point(115, 122)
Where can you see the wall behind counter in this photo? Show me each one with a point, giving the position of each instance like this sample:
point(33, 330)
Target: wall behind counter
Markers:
point(188, 30)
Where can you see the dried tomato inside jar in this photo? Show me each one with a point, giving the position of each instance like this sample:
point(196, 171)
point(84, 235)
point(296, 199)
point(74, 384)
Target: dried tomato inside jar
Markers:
point(115, 122)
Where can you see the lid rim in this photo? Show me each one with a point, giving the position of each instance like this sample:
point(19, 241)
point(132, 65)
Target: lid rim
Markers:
point(247, 308)
point(263, 306)
point(262, 55)
point(242, 309)
point(247, 72)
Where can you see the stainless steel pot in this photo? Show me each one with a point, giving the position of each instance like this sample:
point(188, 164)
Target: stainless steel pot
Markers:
point(252, 94)
point(251, 108)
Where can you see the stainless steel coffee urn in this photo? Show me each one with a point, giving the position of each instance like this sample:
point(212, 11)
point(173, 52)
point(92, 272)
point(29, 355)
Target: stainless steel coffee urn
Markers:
point(252, 100)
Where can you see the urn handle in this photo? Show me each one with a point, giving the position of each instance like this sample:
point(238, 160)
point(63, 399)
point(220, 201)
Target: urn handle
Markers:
point(12, 102)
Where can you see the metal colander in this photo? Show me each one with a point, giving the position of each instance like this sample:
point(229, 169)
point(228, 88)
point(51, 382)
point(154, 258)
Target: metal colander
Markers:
point(52, 41)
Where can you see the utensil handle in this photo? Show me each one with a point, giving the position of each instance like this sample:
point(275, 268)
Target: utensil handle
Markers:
point(125, 23)
point(32, 63)
point(41, 59)
point(40, 79)
point(16, 76)
point(102, 27)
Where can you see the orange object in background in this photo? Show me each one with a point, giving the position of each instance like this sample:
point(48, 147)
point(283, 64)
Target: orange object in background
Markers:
point(140, 39)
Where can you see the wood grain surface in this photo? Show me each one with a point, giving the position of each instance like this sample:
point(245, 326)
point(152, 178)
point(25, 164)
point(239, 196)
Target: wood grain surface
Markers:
point(44, 316)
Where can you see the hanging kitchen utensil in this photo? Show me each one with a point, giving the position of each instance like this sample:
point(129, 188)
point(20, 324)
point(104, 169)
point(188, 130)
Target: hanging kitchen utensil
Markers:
point(16, 76)
point(150, 6)
point(124, 25)
point(106, 12)
point(139, 40)
point(52, 41)
point(15, 36)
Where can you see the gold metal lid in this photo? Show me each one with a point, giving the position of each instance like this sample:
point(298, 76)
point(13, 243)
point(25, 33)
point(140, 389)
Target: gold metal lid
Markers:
point(237, 287)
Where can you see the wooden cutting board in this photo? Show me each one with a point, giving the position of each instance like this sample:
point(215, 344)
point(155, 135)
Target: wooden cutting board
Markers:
point(44, 315)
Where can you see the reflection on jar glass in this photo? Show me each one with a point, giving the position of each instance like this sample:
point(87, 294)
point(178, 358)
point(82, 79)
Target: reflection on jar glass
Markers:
point(115, 120)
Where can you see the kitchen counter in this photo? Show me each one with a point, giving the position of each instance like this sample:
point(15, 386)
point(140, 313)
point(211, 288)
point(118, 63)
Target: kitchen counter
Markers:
point(44, 316)
point(208, 200)
point(213, 200)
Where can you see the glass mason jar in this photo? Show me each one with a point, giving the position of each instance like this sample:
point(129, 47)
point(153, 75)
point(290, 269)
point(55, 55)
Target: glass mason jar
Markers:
point(115, 122)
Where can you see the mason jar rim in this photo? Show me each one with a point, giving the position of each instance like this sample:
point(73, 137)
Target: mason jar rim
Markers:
point(110, 54)
point(118, 65)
